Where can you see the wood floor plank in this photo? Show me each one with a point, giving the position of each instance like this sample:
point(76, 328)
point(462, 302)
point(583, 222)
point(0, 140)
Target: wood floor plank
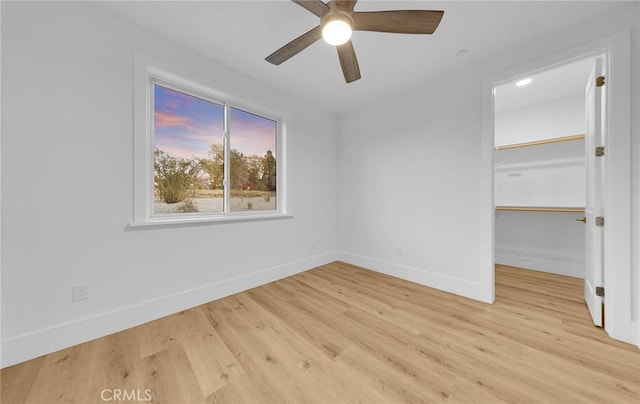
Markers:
point(67, 376)
point(157, 336)
point(386, 350)
point(363, 298)
point(285, 356)
point(395, 386)
point(169, 377)
point(24, 376)
point(298, 286)
point(448, 352)
point(316, 332)
point(343, 334)
point(211, 361)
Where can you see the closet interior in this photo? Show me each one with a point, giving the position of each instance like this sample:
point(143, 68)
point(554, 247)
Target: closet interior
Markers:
point(540, 172)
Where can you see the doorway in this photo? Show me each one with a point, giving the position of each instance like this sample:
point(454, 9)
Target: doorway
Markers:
point(541, 174)
point(617, 250)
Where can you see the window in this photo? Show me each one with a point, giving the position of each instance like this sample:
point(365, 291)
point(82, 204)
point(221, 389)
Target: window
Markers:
point(202, 156)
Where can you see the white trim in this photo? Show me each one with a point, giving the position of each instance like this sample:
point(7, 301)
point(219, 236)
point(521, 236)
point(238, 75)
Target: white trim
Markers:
point(462, 287)
point(487, 194)
point(617, 249)
point(182, 221)
point(33, 344)
point(1, 143)
point(635, 332)
point(617, 193)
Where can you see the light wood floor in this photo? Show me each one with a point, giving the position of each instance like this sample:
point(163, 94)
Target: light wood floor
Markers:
point(342, 334)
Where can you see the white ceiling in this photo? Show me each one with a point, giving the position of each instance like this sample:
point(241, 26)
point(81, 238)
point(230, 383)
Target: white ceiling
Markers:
point(240, 34)
point(565, 81)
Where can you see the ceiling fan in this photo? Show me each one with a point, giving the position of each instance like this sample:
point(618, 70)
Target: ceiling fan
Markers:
point(338, 20)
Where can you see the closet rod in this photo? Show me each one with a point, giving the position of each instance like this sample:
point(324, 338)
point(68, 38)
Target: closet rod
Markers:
point(539, 142)
point(540, 209)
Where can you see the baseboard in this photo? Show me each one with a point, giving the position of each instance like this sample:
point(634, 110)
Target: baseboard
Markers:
point(635, 333)
point(462, 287)
point(32, 345)
point(541, 264)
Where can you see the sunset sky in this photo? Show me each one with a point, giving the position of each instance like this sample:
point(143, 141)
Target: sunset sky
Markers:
point(186, 126)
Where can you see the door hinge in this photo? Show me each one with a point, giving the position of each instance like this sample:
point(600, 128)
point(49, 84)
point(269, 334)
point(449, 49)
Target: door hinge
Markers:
point(599, 81)
point(599, 151)
point(600, 291)
point(599, 221)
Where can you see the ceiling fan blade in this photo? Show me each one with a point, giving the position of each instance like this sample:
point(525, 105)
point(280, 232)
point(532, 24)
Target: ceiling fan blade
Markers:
point(317, 7)
point(349, 62)
point(294, 47)
point(398, 21)
point(348, 4)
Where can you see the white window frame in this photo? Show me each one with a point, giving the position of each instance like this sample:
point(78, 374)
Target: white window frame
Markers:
point(148, 72)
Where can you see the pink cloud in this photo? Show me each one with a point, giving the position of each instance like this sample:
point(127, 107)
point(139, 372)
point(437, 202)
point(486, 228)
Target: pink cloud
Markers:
point(166, 119)
point(182, 151)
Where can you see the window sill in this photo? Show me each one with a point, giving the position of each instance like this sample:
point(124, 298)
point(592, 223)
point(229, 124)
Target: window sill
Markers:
point(197, 221)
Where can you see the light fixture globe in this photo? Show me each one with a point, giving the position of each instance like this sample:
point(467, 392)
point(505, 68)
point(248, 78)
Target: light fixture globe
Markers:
point(337, 28)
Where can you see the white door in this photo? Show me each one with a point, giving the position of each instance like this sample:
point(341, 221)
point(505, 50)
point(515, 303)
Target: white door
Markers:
point(594, 206)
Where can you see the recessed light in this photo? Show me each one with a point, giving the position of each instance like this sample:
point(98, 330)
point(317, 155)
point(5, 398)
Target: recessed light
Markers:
point(524, 82)
point(462, 52)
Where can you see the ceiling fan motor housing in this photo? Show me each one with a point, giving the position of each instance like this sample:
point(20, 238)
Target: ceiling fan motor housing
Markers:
point(337, 13)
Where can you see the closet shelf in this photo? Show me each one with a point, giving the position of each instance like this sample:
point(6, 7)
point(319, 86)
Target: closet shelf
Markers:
point(541, 209)
point(540, 142)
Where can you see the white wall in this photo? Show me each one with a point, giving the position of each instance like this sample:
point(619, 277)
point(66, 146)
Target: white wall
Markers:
point(551, 119)
point(409, 179)
point(552, 174)
point(542, 241)
point(410, 168)
point(67, 187)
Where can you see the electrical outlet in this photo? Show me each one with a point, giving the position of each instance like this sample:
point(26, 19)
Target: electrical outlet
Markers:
point(399, 251)
point(312, 245)
point(80, 292)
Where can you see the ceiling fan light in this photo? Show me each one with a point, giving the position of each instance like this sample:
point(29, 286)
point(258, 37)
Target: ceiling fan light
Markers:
point(336, 32)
